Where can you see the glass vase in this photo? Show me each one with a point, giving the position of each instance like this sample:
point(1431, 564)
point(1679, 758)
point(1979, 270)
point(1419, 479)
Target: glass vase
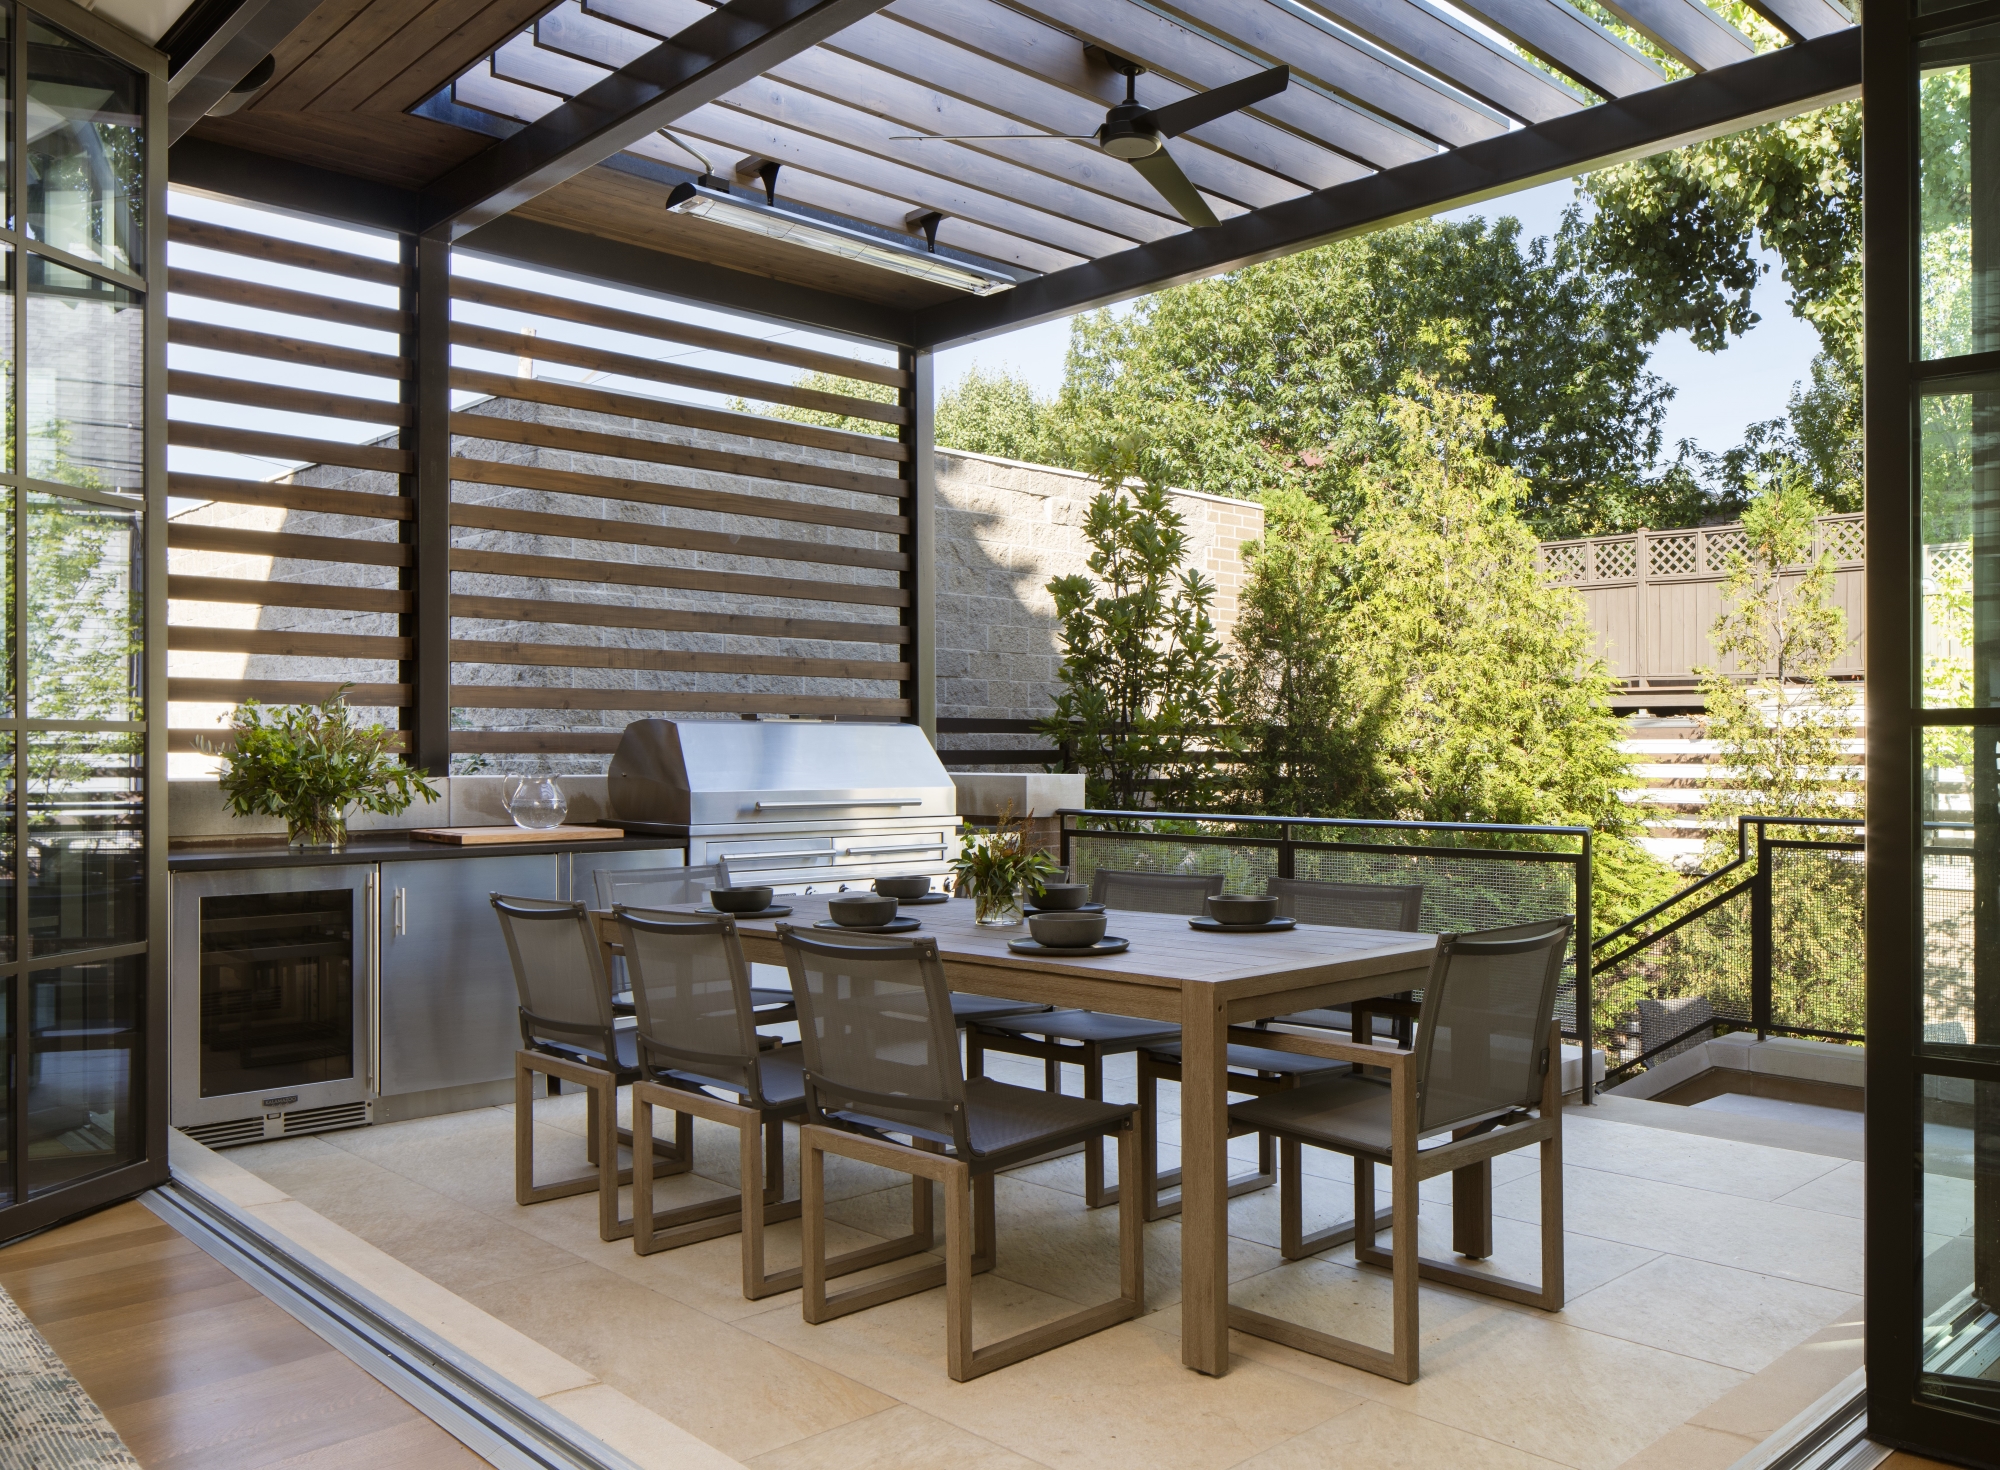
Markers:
point(537, 804)
point(320, 826)
point(997, 910)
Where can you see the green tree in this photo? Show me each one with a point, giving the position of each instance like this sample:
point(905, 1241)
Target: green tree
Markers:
point(1492, 704)
point(1142, 666)
point(997, 413)
point(1249, 382)
point(823, 418)
point(1682, 230)
point(1781, 720)
point(1305, 746)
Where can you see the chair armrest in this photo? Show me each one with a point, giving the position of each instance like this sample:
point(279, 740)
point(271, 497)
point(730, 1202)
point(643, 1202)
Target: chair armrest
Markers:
point(1392, 1057)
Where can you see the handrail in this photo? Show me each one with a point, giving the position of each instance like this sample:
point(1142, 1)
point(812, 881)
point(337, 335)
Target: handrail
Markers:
point(1394, 823)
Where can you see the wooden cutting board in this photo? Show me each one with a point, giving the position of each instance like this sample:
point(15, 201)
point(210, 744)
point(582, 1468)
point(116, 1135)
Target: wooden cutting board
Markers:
point(497, 836)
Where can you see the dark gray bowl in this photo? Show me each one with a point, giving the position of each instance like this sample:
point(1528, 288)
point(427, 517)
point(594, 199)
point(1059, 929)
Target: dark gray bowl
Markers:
point(1066, 931)
point(740, 900)
point(915, 886)
point(1063, 896)
point(1242, 908)
point(861, 910)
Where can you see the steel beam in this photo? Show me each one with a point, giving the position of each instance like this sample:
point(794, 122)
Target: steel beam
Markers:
point(427, 391)
point(591, 259)
point(920, 470)
point(292, 188)
point(1777, 84)
point(723, 50)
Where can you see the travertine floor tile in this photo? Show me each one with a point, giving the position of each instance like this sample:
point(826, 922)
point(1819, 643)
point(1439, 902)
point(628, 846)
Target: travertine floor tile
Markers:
point(1837, 1192)
point(1374, 1436)
point(1716, 1313)
point(1715, 1164)
point(1767, 1402)
point(1752, 1235)
point(728, 1387)
point(901, 1438)
point(1691, 1448)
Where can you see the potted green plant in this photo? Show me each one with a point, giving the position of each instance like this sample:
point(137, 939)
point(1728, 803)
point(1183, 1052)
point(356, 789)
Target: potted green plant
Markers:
point(995, 866)
point(313, 764)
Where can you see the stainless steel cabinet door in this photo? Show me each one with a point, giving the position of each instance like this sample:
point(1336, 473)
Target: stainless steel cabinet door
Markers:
point(448, 1007)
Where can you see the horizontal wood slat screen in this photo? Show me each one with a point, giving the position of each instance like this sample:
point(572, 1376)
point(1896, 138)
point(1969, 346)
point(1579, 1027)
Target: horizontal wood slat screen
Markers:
point(288, 539)
point(629, 539)
point(648, 515)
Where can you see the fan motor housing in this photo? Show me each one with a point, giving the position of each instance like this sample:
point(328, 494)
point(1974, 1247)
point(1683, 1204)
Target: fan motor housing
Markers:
point(1129, 132)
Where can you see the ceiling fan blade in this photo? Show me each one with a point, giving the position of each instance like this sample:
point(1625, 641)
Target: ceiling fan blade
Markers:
point(1160, 170)
point(1204, 107)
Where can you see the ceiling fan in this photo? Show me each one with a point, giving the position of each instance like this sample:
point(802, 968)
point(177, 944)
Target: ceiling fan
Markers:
point(1138, 134)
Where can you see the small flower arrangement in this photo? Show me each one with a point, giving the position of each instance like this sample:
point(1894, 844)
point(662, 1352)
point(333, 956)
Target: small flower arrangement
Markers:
point(995, 866)
point(312, 764)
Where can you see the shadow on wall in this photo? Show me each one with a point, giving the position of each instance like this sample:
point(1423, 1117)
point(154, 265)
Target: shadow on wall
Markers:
point(1004, 530)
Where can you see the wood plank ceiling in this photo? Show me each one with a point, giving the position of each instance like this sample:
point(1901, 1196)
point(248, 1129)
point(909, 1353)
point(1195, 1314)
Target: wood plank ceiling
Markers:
point(399, 91)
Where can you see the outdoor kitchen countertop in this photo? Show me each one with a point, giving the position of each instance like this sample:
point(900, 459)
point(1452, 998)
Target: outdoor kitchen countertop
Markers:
point(211, 855)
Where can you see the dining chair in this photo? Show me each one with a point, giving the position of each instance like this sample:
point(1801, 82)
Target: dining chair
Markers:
point(697, 1038)
point(1354, 906)
point(1085, 1038)
point(1486, 1070)
point(569, 1032)
point(881, 1064)
point(659, 888)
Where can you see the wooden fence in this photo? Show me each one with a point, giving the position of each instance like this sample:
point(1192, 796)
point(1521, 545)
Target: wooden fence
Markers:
point(1654, 596)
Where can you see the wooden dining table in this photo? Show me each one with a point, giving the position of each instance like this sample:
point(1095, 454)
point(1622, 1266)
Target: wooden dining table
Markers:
point(1203, 981)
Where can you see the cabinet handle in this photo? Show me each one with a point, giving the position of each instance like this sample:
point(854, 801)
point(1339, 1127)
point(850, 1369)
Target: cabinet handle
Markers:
point(399, 911)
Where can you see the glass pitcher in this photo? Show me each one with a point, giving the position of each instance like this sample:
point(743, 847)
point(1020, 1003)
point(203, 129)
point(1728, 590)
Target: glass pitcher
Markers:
point(537, 803)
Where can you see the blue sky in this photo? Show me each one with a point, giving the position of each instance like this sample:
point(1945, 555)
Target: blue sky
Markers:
point(1716, 394)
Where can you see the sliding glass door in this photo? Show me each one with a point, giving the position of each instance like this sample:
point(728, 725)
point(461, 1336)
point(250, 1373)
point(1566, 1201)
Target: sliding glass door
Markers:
point(82, 492)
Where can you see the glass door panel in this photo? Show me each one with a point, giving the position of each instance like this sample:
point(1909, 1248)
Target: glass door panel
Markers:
point(277, 990)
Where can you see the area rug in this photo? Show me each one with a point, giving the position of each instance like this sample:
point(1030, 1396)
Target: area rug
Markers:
point(47, 1421)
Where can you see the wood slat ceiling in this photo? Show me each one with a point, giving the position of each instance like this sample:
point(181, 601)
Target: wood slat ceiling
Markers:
point(1375, 84)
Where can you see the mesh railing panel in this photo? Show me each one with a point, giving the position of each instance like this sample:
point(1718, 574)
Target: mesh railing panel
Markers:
point(1707, 958)
point(1819, 914)
point(1465, 891)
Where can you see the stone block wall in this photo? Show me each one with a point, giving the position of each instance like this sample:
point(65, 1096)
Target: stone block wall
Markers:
point(1004, 530)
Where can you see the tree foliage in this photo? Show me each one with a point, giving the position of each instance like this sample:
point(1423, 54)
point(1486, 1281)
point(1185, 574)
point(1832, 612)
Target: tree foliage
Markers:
point(1142, 666)
point(1247, 383)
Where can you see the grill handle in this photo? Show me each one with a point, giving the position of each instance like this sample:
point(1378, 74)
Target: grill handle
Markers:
point(899, 847)
point(744, 857)
point(799, 806)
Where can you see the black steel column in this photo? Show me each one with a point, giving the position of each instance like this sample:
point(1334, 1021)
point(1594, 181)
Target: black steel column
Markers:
point(920, 544)
point(427, 398)
point(1889, 156)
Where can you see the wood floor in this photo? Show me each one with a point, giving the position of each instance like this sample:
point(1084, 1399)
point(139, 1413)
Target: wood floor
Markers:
point(194, 1368)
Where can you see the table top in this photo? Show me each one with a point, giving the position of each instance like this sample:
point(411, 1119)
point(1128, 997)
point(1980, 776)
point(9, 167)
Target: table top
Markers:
point(1164, 951)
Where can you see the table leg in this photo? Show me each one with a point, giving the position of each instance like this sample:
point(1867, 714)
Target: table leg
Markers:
point(1473, 1207)
point(1204, 1181)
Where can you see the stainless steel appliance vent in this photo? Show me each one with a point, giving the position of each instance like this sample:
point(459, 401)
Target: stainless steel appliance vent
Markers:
point(237, 1131)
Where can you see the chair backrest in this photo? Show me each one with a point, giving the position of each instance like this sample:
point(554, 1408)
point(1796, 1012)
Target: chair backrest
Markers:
point(691, 994)
point(1483, 1037)
point(655, 888)
point(1349, 905)
point(1154, 893)
point(881, 1045)
point(558, 972)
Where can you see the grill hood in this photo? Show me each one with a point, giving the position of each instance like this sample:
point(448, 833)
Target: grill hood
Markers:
point(741, 773)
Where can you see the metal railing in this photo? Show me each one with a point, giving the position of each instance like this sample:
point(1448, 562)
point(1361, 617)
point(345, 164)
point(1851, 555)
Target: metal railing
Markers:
point(1476, 875)
point(1771, 941)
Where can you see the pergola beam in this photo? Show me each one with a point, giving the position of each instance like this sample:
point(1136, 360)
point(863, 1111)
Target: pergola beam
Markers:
point(723, 50)
point(1774, 85)
point(232, 46)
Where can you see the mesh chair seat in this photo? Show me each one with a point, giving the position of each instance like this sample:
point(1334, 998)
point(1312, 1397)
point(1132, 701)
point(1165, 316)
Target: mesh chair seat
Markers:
point(1337, 1018)
point(1113, 1033)
point(1349, 905)
point(968, 1009)
point(1347, 1113)
point(624, 1039)
point(1259, 1059)
point(781, 1076)
point(1003, 1120)
point(655, 888)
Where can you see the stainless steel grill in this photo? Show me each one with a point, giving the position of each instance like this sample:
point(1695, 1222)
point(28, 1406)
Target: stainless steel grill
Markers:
point(795, 804)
